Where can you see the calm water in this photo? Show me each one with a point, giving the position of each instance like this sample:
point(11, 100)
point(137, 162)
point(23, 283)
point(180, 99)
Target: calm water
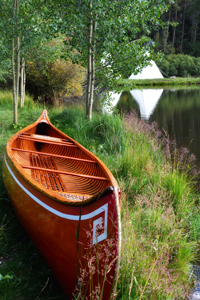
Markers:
point(177, 111)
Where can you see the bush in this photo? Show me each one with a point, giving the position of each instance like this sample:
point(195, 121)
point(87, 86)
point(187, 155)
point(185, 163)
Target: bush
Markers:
point(54, 81)
point(49, 76)
point(180, 65)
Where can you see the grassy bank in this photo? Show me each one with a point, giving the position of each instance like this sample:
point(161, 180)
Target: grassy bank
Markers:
point(160, 223)
point(179, 81)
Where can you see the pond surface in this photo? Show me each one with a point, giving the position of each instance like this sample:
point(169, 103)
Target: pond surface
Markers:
point(175, 110)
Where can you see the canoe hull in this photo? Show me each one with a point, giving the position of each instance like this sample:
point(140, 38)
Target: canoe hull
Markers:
point(81, 245)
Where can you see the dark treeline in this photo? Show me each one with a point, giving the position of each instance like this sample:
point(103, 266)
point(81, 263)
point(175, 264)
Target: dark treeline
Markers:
point(181, 34)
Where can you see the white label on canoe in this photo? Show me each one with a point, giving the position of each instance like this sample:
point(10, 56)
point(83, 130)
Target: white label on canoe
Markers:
point(100, 226)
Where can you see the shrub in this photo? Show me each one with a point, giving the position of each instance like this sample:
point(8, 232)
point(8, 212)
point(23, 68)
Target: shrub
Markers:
point(49, 76)
point(180, 65)
point(54, 81)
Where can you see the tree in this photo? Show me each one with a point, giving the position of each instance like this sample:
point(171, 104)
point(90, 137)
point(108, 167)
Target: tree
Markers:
point(23, 24)
point(111, 38)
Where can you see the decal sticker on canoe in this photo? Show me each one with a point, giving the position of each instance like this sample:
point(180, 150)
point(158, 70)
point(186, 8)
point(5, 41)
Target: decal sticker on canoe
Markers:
point(93, 214)
point(100, 226)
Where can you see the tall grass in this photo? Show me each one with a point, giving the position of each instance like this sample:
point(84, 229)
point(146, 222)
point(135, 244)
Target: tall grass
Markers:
point(160, 219)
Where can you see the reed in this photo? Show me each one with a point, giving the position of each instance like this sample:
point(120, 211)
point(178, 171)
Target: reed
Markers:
point(160, 211)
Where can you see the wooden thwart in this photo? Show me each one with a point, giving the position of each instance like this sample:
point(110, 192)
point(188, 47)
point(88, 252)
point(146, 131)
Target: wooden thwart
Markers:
point(65, 173)
point(54, 155)
point(46, 139)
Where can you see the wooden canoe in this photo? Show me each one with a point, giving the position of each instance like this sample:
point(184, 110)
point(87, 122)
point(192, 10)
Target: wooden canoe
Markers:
point(68, 202)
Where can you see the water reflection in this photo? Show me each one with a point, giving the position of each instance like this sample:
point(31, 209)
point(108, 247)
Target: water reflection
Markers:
point(147, 100)
point(175, 110)
point(143, 101)
point(178, 112)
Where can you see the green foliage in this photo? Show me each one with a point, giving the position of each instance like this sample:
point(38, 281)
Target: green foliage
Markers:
point(181, 33)
point(50, 78)
point(54, 81)
point(120, 39)
point(180, 65)
point(6, 277)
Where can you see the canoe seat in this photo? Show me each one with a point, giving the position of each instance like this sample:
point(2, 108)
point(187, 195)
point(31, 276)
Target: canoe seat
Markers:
point(50, 180)
point(46, 139)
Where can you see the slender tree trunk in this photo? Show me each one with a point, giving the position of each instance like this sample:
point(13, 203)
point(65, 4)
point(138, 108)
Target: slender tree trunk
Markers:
point(166, 33)
point(15, 66)
point(194, 28)
point(14, 81)
point(18, 58)
point(92, 71)
point(13, 69)
point(183, 27)
point(24, 82)
point(174, 29)
point(17, 70)
point(22, 87)
point(89, 77)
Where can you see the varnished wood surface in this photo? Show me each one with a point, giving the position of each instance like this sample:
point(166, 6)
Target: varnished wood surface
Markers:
point(54, 162)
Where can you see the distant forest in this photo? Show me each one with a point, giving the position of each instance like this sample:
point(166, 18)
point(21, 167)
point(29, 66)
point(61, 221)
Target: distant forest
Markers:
point(181, 35)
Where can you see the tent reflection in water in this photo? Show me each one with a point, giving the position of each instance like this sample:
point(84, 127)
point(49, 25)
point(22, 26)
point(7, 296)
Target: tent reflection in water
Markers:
point(147, 100)
point(68, 202)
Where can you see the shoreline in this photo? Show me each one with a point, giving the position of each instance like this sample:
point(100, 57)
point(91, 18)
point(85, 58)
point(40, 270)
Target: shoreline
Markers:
point(161, 83)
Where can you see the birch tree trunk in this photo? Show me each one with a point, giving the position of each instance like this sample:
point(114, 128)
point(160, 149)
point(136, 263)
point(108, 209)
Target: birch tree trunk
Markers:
point(15, 66)
point(89, 76)
point(17, 70)
point(92, 71)
point(14, 82)
point(13, 69)
point(18, 57)
point(23, 81)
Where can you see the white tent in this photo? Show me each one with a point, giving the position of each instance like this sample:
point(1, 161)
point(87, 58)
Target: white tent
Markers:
point(149, 72)
point(147, 100)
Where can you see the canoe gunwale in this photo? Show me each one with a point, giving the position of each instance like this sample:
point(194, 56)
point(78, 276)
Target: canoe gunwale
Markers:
point(56, 195)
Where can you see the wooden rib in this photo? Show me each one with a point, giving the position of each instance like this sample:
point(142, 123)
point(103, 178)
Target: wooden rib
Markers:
point(46, 141)
point(54, 155)
point(46, 176)
point(65, 173)
point(58, 179)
